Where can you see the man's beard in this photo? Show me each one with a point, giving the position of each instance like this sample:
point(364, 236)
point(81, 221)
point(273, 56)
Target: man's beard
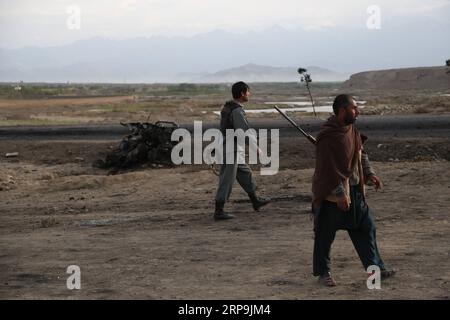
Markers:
point(349, 119)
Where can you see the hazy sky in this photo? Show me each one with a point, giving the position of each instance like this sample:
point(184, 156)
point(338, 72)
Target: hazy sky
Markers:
point(45, 22)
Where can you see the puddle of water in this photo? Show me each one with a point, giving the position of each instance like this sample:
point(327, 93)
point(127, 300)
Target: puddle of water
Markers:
point(307, 103)
point(328, 109)
point(294, 103)
point(300, 98)
point(302, 107)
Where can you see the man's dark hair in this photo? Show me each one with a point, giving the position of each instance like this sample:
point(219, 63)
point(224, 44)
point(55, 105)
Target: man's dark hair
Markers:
point(341, 101)
point(238, 88)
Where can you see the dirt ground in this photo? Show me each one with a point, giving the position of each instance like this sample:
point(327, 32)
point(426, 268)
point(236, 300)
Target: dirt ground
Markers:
point(149, 233)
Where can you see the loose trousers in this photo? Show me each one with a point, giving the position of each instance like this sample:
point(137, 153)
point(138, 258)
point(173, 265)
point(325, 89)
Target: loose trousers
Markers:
point(359, 224)
point(228, 174)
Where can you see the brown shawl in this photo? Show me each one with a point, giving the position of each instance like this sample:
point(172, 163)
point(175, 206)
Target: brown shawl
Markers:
point(337, 151)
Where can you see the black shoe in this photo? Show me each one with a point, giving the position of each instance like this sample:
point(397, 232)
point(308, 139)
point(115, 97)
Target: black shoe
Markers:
point(219, 214)
point(258, 202)
point(223, 216)
point(387, 273)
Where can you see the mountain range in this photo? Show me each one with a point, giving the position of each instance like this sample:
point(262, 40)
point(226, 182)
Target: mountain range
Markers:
point(258, 73)
point(270, 55)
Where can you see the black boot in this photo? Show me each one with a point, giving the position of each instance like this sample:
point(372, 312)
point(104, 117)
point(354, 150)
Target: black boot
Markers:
point(257, 202)
point(219, 214)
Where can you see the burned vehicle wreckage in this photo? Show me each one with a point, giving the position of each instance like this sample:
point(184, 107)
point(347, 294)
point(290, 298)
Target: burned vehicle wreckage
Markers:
point(148, 143)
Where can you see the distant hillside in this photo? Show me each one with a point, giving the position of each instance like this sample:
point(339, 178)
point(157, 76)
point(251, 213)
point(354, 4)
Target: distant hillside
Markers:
point(259, 73)
point(201, 57)
point(407, 78)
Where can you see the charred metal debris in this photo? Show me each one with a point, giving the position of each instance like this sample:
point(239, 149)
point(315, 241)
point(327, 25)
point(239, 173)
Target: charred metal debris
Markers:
point(148, 143)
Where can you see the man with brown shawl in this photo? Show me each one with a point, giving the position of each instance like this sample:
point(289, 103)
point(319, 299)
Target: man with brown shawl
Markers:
point(342, 168)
